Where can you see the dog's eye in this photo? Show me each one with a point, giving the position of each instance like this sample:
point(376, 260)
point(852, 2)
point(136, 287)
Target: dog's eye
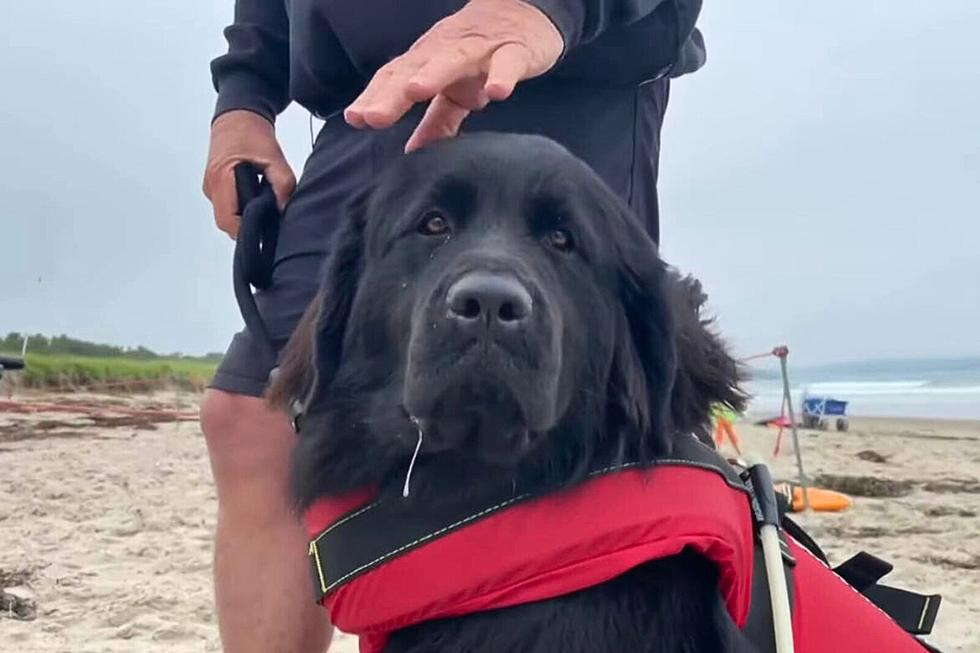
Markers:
point(433, 223)
point(560, 240)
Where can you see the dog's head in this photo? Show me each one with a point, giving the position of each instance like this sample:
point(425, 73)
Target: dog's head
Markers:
point(492, 292)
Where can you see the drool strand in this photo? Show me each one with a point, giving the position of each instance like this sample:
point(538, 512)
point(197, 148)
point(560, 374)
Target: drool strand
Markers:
point(411, 465)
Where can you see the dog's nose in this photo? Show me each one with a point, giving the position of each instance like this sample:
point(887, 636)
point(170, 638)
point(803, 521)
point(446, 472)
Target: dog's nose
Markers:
point(491, 298)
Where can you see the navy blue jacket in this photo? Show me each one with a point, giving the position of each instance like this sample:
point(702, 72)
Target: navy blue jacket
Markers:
point(598, 100)
point(321, 53)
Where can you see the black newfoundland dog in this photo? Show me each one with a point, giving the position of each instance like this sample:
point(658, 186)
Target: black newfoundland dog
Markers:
point(492, 291)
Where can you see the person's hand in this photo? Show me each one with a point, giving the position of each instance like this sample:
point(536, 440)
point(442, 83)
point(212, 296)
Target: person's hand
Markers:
point(243, 137)
point(466, 60)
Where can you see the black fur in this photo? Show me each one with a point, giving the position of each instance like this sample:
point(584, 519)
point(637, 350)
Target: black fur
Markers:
point(659, 607)
point(614, 360)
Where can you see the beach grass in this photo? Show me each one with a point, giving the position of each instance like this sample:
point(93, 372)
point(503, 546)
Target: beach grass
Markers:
point(66, 371)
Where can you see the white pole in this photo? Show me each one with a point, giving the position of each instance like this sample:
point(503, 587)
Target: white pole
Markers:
point(768, 515)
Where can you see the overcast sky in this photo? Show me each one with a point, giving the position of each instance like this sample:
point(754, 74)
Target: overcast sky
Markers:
point(821, 175)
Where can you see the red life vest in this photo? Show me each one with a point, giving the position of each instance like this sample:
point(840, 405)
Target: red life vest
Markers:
point(529, 549)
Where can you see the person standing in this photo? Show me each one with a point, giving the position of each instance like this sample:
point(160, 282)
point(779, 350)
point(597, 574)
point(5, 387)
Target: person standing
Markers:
point(387, 77)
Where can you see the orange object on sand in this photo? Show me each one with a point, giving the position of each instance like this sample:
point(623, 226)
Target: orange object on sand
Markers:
point(821, 500)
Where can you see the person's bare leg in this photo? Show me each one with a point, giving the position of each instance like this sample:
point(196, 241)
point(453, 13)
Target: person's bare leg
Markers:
point(261, 577)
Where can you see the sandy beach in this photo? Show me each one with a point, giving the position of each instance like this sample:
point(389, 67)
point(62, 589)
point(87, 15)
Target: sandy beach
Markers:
point(106, 518)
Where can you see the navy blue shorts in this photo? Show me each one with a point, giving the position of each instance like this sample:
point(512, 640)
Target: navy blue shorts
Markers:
point(615, 130)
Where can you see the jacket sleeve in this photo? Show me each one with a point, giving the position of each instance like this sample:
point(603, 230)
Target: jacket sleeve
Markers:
point(254, 74)
point(580, 21)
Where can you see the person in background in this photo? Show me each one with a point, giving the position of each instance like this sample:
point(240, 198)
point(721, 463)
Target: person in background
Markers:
point(387, 77)
point(724, 419)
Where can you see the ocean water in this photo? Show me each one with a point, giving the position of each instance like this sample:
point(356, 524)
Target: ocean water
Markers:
point(934, 388)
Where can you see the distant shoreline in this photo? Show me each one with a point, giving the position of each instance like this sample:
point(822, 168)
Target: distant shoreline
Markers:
point(922, 423)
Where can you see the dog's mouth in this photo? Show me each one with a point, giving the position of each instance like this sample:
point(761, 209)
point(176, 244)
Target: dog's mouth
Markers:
point(475, 416)
point(483, 364)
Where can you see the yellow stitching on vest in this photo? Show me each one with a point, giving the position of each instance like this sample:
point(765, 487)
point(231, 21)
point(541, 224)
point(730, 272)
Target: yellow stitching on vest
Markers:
point(465, 520)
point(424, 538)
point(347, 518)
point(319, 570)
point(668, 461)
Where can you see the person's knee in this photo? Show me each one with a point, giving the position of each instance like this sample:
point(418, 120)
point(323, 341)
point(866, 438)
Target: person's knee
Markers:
point(248, 442)
point(227, 419)
point(217, 414)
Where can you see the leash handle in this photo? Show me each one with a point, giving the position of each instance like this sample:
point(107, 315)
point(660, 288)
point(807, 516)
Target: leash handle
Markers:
point(248, 184)
point(255, 250)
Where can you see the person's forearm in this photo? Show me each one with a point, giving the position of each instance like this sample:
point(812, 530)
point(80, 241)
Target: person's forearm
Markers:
point(580, 21)
point(254, 74)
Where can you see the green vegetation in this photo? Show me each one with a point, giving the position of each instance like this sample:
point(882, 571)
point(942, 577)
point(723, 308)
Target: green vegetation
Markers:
point(41, 344)
point(65, 362)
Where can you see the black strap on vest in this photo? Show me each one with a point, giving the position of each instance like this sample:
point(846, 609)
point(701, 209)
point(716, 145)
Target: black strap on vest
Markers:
point(371, 535)
point(915, 613)
point(255, 250)
point(790, 527)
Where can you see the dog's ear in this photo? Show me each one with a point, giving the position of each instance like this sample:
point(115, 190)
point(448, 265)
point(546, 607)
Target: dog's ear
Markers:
point(313, 353)
point(339, 289)
point(644, 363)
point(706, 372)
point(294, 376)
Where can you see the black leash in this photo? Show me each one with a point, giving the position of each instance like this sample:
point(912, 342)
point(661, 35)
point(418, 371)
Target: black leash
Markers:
point(255, 250)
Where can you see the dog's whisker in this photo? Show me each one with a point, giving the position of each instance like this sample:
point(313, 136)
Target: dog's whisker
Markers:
point(411, 466)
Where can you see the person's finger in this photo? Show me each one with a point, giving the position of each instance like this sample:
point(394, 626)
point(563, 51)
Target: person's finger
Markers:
point(354, 113)
point(508, 66)
point(384, 101)
point(468, 93)
point(440, 71)
point(442, 120)
point(220, 189)
point(282, 180)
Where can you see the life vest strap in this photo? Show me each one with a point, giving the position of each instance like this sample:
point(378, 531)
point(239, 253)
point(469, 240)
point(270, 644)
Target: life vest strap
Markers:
point(793, 529)
point(371, 535)
point(915, 613)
